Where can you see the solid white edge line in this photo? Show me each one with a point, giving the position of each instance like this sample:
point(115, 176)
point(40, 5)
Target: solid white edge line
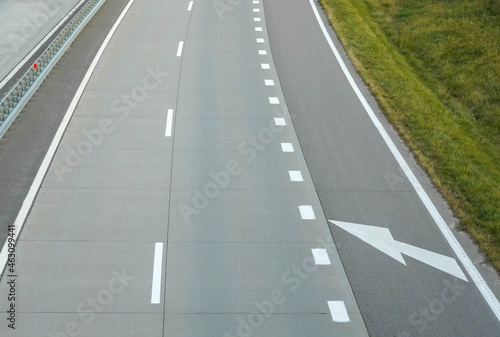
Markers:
point(448, 234)
point(34, 50)
point(156, 282)
point(42, 171)
point(338, 311)
point(179, 48)
point(190, 6)
point(168, 129)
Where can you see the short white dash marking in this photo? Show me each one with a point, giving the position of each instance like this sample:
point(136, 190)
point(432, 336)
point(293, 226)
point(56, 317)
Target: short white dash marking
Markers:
point(321, 256)
point(265, 66)
point(279, 121)
point(255, 1)
point(156, 286)
point(168, 129)
point(262, 52)
point(256, 19)
point(190, 6)
point(307, 212)
point(269, 82)
point(274, 100)
point(258, 29)
point(295, 176)
point(338, 311)
point(287, 147)
point(256, 10)
point(259, 40)
point(179, 49)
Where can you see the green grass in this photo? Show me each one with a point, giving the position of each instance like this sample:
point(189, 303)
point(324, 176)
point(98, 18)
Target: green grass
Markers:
point(434, 67)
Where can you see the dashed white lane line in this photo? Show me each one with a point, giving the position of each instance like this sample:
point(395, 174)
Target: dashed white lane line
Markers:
point(179, 49)
point(307, 212)
point(278, 121)
point(168, 129)
point(338, 311)
point(156, 285)
point(190, 6)
point(287, 147)
point(274, 100)
point(255, 1)
point(321, 256)
point(295, 176)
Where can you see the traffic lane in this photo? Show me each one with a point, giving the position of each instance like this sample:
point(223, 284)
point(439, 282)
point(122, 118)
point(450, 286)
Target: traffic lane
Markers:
point(89, 214)
point(183, 325)
point(206, 278)
point(351, 147)
point(84, 283)
point(229, 283)
point(379, 177)
point(315, 93)
point(23, 147)
point(106, 168)
point(243, 216)
point(112, 324)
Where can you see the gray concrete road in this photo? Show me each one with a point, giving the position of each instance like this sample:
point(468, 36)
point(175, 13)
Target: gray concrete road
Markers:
point(23, 147)
point(190, 193)
point(178, 202)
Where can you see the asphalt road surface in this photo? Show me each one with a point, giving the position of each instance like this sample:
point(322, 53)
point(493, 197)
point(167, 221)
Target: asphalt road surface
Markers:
point(192, 181)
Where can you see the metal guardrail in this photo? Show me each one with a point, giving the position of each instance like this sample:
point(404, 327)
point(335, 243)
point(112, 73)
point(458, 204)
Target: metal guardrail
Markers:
point(13, 103)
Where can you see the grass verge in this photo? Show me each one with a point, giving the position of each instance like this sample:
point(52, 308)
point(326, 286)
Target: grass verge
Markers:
point(434, 67)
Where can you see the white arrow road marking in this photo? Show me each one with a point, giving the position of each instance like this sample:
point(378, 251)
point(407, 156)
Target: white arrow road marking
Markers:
point(381, 238)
